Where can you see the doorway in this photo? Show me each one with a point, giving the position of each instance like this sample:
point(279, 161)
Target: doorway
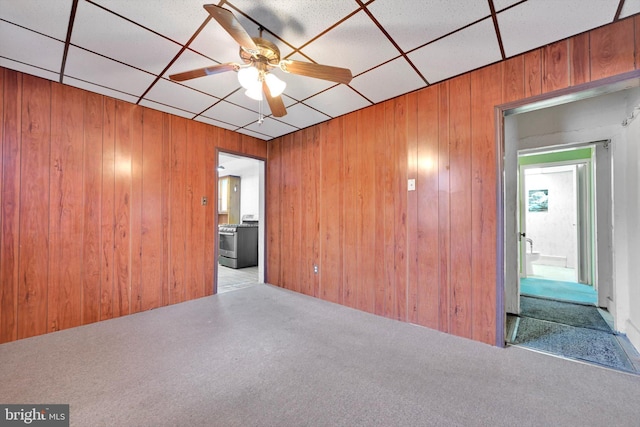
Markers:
point(240, 217)
point(556, 211)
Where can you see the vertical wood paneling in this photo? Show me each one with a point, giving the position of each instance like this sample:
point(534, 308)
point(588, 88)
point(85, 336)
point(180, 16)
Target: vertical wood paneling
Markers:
point(178, 236)
point(151, 243)
point(612, 49)
point(365, 211)
point(135, 232)
point(636, 26)
point(231, 141)
point(65, 219)
point(513, 79)
point(167, 163)
point(331, 211)
point(34, 207)
point(444, 205)
point(11, 126)
point(400, 214)
point(122, 211)
point(92, 217)
point(388, 210)
point(350, 177)
point(579, 70)
point(310, 237)
point(555, 66)
point(274, 212)
point(253, 147)
point(380, 265)
point(291, 223)
point(413, 262)
point(211, 191)
point(196, 134)
point(107, 268)
point(460, 210)
point(486, 92)
point(532, 73)
point(427, 250)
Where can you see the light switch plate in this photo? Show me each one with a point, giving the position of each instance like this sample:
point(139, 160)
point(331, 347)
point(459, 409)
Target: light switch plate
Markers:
point(411, 185)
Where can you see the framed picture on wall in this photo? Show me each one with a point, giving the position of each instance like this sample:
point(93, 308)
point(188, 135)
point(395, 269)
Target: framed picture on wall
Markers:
point(538, 200)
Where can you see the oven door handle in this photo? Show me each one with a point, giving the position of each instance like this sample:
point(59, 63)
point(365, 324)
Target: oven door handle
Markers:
point(226, 233)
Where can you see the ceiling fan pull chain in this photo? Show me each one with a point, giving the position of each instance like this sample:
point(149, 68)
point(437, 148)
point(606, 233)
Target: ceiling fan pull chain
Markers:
point(260, 115)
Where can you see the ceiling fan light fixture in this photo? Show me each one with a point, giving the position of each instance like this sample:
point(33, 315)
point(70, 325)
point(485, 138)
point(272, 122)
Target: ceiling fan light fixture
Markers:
point(276, 86)
point(248, 77)
point(254, 92)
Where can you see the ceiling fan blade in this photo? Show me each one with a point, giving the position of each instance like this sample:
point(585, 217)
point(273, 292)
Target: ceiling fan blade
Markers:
point(275, 102)
point(228, 21)
point(324, 72)
point(206, 71)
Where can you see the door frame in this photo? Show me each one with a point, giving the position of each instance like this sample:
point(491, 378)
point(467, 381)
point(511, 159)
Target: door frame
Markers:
point(604, 86)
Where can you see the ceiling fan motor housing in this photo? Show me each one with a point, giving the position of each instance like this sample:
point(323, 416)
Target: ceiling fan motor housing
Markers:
point(268, 54)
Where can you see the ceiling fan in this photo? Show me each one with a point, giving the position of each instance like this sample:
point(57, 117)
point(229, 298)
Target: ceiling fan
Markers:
point(260, 56)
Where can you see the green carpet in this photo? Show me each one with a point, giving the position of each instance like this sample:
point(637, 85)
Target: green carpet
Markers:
point(557, 290)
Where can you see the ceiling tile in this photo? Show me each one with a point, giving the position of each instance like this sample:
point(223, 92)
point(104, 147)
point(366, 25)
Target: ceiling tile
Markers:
point(166, 108)
point(337, 101)
point(105, 33)
point(271, 127)
point(631, 7)
point(96, 69)
point(255, 134)
point(181, 97)
point(302, 116)
point(175, 19)
point(217, 44)
point(388, 81)
point(209, 121)
point(232, 114)
point(471, 48)
point(47, 56)
point(536, 23)
point(100, 89)
point(503, 4)
point(412, 23)
point(45, 16)
point(28, 69)
point(357, 44)
point(296, 21)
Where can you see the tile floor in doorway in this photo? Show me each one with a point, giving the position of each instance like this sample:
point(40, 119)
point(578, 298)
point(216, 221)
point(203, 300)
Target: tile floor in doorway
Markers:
point(231, 279)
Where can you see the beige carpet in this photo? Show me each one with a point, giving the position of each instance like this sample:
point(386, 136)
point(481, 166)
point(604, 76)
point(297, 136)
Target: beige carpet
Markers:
point(263, 356)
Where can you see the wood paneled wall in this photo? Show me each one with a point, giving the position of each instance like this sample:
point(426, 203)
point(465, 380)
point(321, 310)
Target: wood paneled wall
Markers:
point(337, 192)
point(100, 206)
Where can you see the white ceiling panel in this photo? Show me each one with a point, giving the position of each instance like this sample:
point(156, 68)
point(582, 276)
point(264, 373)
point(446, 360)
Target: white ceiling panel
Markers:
point(337, 101)
point(28, 69)
point(631, 7)
point(412, 23)
point(109, 35)
point(44, 16)
point(388, 81)
point(357, 44)
point(232, 114)
point(21, 47)
point(99, 89)
point(271, 127)
point(93, 68)
point(294, 20)
point(302, 116)
point(536, 23)
point(471, 48)
point(166, 109)
point(119, 47)
point(181, 97)
point(175, 19)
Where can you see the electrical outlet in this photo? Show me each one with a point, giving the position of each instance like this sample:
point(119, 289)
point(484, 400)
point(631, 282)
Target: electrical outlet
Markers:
point(315, 269)
point(411, 185)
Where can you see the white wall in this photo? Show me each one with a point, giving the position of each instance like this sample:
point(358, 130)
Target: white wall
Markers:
point(249, 172)
point(580, 122)
point(553, 231)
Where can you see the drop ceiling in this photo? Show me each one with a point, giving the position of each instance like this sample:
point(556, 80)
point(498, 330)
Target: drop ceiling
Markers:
point(127, 49)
